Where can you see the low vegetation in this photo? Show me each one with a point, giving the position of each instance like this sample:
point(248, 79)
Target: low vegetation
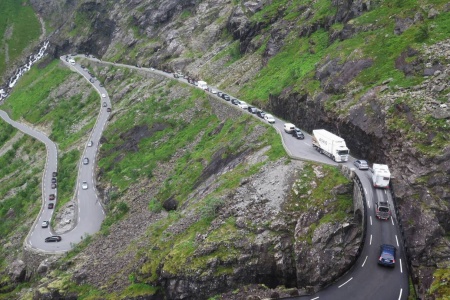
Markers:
point(20, 191)
point(19, 29)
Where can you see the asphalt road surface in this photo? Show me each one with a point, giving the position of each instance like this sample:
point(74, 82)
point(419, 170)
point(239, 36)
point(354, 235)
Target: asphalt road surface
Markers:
point(366, 280)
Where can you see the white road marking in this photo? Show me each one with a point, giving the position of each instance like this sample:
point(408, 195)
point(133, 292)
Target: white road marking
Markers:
point(400, 296)
point(315, 298)
point(364, 261)
point(396, 240)
point(368, 203)
point(392, 221)
point(370, 220)
point(401, 269)
point(385, 192)
point(345, 283)
point(370, 243)
point(365, 191)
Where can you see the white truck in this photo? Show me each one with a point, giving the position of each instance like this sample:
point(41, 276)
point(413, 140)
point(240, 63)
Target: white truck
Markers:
point(203, 85)
point(380, 176)
point(330, 144)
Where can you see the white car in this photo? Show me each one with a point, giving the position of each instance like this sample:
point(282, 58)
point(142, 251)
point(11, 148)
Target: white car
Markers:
point(84, 185)
point(90, 144)
point(243, 105)
point(103, 96)
point(269, 118)
point(213, 91)
point(45, 224)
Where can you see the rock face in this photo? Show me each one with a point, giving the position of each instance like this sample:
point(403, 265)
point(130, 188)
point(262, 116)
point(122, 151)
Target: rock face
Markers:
point(17, 271)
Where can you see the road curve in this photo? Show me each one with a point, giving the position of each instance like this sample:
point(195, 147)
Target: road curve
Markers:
point(90, 213)
point(366, 279)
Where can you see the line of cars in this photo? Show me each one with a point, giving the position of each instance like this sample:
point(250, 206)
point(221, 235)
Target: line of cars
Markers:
point(244, 105)
point(382, 211)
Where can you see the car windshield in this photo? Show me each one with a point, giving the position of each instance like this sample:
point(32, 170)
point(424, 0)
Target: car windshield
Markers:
point(343, 152)
point(384, 209)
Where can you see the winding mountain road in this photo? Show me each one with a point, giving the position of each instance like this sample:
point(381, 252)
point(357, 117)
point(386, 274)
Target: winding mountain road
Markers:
point(366, 280)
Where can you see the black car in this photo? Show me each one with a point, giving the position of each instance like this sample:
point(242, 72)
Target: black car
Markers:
point(108, 109)
point(53, 238)
point(226, 97)
point(252, 109)
point(387, 255)
point(235, 101)
point(53, 186)
point(54, 174)
point(260, 114)
point(297, 133)
point(53, 180)
point(85, 161)
point(50, 206)
point(51, 197)
point(91, 80)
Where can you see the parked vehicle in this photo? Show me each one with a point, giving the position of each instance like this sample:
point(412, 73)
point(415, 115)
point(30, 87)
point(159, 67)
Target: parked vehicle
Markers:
point(54, 174)
point(382, 210)
point(330, 144)
point(202, 84)
point(90, 144)
point(44, 224)
point(53, 186)
point(50, 206)
point(51, 197)
point(84, 185)
point(235, 101)
point(53, 238)
point(220, 94)
point(297, 133)
point(361, 164)
point(260, 114)
point(85, 161)
point(381, 176)
point(252, 109)
point(387, 255)
point(269, 118)
point(288, 127)
point(53, 180)
point(226, 97)
point(243, 104)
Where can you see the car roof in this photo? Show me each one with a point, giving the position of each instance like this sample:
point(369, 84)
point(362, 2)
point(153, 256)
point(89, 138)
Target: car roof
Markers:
point(388, 249)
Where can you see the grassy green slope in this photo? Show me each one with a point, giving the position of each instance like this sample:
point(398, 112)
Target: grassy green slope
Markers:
point(19, 28)
point(22, 162)
point(295, 63)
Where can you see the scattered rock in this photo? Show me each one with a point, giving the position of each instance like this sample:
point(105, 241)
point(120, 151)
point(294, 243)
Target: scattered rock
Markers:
point(433, 13)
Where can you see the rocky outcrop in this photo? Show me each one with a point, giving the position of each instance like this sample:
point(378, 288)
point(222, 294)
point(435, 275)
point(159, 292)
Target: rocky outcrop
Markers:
point(17, 271)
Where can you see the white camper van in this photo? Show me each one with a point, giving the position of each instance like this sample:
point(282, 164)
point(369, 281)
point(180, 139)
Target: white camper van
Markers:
point(203, 85)
point(381, 176)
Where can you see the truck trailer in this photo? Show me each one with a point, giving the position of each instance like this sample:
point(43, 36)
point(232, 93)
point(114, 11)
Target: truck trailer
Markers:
point(330, 144)
point(381, 176)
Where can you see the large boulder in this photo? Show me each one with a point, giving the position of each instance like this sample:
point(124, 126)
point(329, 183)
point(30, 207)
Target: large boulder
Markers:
point(17, 271)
